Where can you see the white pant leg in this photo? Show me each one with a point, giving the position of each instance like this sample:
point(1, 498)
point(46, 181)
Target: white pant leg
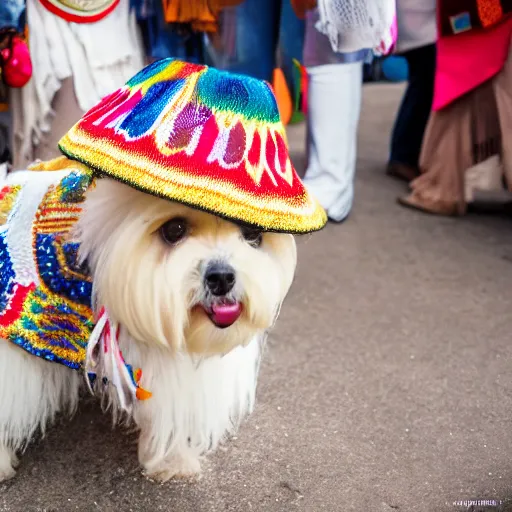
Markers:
point(334, 102)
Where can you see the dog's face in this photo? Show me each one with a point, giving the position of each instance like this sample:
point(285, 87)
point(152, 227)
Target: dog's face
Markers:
point(180, 277)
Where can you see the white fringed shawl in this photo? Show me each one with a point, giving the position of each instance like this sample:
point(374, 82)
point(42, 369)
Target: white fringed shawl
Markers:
point(100, 57)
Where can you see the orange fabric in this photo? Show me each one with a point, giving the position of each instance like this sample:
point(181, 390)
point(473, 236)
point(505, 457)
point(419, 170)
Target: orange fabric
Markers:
point(301, 6)
point(201, 14)
point(283, 96)
point(489, 12)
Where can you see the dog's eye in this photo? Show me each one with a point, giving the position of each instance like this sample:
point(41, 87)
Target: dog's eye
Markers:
point(252, 236)
point(174, 230)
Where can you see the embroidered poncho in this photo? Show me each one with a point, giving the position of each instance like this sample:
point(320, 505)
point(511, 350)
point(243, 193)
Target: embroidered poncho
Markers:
point(45, 296)
point(45, 292)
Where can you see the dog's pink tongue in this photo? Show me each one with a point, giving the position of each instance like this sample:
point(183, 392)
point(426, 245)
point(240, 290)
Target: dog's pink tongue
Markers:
point(225, 315)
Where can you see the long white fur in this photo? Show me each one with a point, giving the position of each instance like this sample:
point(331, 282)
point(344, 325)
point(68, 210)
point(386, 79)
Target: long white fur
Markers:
point(203, 379)
point(196, 403)
point(32, 392)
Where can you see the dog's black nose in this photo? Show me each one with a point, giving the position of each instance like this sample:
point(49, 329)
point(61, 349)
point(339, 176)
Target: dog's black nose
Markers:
point(220, 278)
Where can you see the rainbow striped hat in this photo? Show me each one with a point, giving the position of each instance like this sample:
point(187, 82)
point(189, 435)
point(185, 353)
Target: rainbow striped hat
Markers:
point(206, 138)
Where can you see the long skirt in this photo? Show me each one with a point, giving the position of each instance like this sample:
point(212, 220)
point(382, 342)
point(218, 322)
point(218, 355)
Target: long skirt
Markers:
point(467, 147)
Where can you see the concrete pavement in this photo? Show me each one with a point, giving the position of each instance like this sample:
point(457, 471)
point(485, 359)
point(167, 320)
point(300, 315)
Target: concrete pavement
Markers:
point(387, 385)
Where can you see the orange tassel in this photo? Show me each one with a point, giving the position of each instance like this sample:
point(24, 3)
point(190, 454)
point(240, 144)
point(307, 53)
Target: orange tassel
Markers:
point(201, 14)
point(143, 394)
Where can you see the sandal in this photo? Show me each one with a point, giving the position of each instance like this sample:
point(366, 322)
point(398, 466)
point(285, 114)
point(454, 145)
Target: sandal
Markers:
point(413, 203)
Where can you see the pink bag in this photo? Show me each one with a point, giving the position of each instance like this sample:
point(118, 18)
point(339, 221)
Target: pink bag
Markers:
point(15, 62)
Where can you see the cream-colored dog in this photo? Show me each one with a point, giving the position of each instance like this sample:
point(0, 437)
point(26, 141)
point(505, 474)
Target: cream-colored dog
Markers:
point(195, 296)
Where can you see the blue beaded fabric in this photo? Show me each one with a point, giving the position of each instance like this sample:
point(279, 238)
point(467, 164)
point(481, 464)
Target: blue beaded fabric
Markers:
point(45, 293)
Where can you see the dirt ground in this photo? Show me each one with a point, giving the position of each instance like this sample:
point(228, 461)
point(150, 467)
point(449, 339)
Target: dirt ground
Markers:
point(387, 385)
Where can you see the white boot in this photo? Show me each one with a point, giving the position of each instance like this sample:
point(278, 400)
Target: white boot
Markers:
point(334, 103)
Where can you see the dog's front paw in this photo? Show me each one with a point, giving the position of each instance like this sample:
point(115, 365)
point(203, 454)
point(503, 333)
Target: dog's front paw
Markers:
point(8, 461)
point(175, 466)
point(7, 473)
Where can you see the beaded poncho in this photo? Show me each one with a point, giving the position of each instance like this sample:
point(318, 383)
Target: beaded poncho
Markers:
point(45, 295)
point(45, 291)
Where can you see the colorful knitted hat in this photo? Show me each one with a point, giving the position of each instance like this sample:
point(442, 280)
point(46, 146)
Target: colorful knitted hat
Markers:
point(206, 138)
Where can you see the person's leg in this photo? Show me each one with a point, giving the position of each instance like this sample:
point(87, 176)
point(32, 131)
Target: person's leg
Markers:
point(334, 101)
point(415, 109)
point(451, 138)
point(257, 34)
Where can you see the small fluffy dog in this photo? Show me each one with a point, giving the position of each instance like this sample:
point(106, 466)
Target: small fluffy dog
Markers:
point(194, 295)
point(187, 296)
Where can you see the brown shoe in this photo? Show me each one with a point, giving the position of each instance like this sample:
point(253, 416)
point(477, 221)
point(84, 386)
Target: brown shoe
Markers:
point(434, 208)
point(402, 171)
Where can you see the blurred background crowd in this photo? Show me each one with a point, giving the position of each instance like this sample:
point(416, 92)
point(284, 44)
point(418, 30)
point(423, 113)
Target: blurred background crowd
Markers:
point(449, 142)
